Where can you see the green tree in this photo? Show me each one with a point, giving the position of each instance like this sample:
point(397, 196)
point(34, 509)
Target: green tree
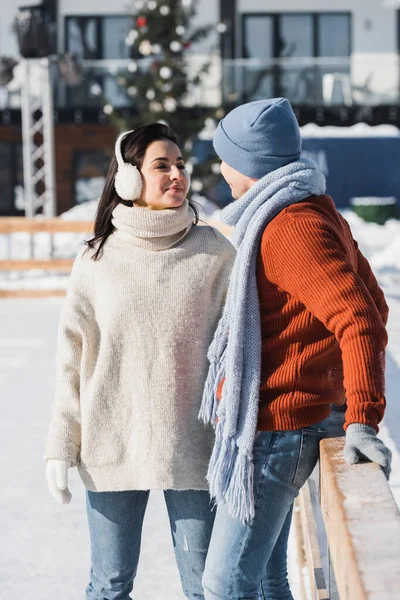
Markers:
point(161, 79)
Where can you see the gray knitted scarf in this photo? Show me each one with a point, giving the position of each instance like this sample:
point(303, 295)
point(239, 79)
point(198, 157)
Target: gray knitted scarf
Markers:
point(235, 353)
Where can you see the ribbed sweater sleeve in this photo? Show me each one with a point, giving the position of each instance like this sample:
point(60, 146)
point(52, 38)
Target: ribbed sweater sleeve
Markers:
point(305, 258)
point(64, 438)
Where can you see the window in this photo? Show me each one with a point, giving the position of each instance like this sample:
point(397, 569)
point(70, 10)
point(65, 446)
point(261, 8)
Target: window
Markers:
point(90, 170)
point(259, 43)
point(82, 37)
point(296, 34)
point(91, 38)
point(291, 36)
point(97, 38)
point(114, 33)
point(334, 35)
point(295, 37)
point(258, 36)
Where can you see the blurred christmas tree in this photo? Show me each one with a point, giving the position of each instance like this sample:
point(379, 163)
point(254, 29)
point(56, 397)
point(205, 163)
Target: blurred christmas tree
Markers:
point(161, 80)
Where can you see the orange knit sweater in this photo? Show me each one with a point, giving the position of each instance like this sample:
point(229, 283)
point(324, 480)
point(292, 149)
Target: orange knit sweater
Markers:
point(323, 320)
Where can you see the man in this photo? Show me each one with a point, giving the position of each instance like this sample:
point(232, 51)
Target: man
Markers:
point(304, 324)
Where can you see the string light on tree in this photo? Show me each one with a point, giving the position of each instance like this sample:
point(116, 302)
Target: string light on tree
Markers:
point(180, 30)
point(132, 90)
point(156, 49)
point(175, 46)
point(139, 4)
point(150, 94)
point(165, 72)
point(131, 37)
point(152, 4)
point(145, 48)
point(189, 167)
point(107, 109)
point(187, 3)
point(164, 10)
point(95, 89)
point(156, 106)
point(170, 104)
point(166, 87)
point(132, 67)
point(216, 168)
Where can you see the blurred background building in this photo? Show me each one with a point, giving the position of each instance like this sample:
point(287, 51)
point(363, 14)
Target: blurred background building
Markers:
point(338, 63)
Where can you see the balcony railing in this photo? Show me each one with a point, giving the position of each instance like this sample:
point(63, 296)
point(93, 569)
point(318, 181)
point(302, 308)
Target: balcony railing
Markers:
point(366, 80)
point(114, 82)
point(360, 80)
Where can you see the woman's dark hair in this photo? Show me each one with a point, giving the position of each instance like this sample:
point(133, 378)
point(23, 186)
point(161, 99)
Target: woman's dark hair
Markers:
point(133, 149)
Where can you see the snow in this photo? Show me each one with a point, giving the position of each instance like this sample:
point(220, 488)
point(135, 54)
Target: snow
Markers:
point(380, 244)
point(357, 130)
point(44, 547)
point(314, 130)
point(373, 201)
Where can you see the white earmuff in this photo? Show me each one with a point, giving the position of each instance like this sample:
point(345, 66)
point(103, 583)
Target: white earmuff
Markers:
point(128, 181)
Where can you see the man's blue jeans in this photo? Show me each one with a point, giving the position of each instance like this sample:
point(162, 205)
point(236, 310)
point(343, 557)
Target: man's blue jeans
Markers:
point(249, 562)
point(115, 524)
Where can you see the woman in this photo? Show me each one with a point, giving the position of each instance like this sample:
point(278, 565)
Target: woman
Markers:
point(142, 305)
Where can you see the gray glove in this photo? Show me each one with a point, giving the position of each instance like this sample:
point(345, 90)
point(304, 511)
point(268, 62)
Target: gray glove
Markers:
point(362, 443)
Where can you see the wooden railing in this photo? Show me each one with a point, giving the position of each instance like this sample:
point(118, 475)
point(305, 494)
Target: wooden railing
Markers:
point(10, 225)
point(57, 225)
point(348, 515)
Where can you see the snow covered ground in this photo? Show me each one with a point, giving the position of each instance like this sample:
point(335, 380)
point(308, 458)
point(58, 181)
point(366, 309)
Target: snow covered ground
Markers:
point(44, 547)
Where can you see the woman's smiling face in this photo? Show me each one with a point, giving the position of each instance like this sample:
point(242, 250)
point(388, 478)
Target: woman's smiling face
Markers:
point(165, 179)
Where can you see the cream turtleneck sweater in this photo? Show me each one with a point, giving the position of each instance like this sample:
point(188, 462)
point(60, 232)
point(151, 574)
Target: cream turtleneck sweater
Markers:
point(131, 355)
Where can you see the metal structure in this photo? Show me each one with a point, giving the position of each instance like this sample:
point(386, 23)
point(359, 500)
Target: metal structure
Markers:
point(38, 137)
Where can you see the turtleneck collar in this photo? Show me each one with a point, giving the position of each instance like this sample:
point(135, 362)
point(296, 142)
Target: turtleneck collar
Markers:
point(152, 229)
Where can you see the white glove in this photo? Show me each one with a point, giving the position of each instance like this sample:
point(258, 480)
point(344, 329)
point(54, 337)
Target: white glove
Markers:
point(57, 479)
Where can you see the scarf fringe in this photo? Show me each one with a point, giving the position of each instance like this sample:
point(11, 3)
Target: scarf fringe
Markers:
point(209, 402)
point(240, 495)
point(231, 478)
point(221, 465)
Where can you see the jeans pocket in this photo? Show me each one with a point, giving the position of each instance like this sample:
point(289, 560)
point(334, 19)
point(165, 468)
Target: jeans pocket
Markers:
point(308, 455)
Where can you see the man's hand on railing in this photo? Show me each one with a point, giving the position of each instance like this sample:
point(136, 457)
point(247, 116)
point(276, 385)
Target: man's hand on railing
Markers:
point(362, 442)
point(57, 479)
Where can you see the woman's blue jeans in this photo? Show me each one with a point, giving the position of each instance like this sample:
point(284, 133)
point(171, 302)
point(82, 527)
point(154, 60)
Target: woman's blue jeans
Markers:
point(249, 562)
point(115, 525)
